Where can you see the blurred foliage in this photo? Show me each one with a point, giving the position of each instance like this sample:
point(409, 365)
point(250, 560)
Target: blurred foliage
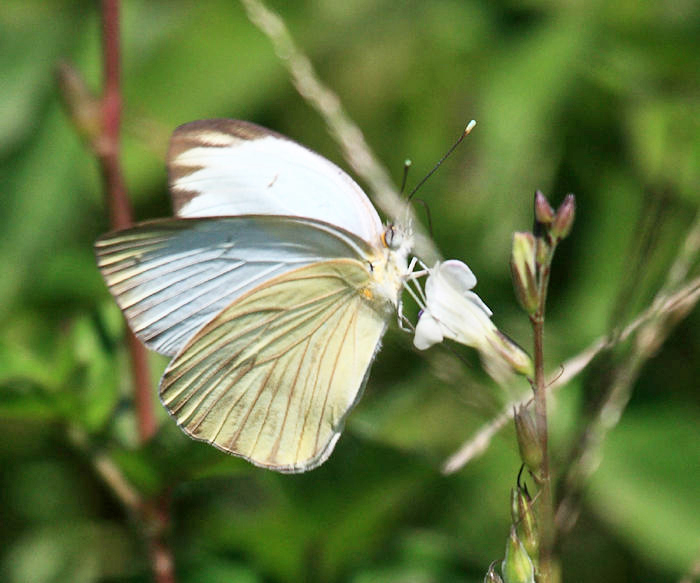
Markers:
point(597, 98)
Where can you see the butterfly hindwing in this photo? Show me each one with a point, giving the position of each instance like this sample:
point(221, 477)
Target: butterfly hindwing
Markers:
point(273, 376)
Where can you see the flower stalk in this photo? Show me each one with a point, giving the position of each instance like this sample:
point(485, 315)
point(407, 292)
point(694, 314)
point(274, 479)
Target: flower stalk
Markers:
point(534, 252)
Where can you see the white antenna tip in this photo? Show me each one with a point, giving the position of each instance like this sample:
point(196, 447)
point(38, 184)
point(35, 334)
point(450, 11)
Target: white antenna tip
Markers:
point(470, 126)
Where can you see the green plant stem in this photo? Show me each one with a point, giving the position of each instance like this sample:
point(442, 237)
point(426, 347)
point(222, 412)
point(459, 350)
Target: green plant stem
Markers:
point(545, 506)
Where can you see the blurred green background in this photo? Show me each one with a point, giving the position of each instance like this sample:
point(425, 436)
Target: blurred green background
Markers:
point(597, 98)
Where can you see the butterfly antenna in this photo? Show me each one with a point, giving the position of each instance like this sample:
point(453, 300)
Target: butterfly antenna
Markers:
point(465, 133)
point(406, 168)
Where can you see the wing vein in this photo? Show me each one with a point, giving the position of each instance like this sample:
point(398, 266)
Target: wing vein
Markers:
point(351, 324)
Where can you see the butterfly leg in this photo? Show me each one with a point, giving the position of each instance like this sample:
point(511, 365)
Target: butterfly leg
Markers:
point(412, 286)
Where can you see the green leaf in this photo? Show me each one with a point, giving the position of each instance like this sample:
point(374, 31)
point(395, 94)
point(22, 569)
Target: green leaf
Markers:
point(646, 489)
point(79, 552)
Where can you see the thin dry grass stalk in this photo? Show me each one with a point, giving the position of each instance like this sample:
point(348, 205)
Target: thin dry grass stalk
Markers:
point(346, 133)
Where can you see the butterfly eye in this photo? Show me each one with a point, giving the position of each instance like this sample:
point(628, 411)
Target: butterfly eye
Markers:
point(392, 237)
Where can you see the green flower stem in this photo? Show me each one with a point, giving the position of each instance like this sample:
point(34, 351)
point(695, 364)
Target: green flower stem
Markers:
point(545, 504)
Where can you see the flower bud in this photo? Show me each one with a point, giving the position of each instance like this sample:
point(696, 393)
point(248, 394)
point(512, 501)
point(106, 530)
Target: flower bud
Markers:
point(564, 219)
point(528, 443)
point(492, 576)
point(524, 519)
point(517, 566)
point(522, 267)
point(544, 213)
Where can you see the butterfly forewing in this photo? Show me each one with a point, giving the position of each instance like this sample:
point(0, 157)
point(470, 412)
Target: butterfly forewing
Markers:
point(171, 277)
point(224, 167)
point(273, 376)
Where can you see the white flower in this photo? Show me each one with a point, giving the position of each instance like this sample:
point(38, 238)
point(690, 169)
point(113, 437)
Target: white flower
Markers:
point(453, 311)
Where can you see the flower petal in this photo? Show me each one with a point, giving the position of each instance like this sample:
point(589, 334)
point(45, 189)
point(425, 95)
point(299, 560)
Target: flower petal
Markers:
point(428, 332)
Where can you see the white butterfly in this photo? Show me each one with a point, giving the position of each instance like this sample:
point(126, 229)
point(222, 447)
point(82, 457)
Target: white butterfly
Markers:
point(272, 290)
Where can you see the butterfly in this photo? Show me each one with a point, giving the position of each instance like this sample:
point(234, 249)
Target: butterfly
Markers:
point(271, 289)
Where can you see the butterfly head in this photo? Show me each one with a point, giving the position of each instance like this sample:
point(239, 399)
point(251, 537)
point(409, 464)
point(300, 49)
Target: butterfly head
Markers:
point(397, 239)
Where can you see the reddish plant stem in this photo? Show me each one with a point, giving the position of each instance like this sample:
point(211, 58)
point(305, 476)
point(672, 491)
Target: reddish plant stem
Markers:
point(140, 374)
point(156, 516)
point(545, 507)
point(154, 513)
point(108, 145)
